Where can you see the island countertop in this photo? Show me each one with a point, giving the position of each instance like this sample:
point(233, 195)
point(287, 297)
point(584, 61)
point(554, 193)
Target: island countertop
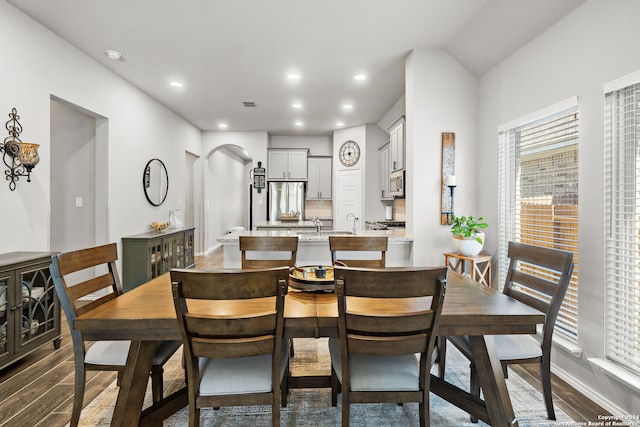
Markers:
point(395, 235)
point(285, 224)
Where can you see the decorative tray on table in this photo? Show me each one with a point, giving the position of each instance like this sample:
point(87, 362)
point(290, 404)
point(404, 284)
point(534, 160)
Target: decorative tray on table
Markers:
point(305, 278)
point(284, 217)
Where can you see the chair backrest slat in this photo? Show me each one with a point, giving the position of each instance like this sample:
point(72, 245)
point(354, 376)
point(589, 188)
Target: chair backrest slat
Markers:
point(205, 347)
point(257, 324)
point(230, 285)
point(388, 346)
point(536, 283)
point(91, 286)
point(339, 244)
point(398, 325)
point(93, 303)
point(285, 245)
point(82, 259)
point(375, 283)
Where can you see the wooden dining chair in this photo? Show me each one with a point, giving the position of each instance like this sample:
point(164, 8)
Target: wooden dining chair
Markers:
point(234, 356)
point(268, 251)
point(375, 357)
point(342, 245)
point(538, 277)
point(84, 280)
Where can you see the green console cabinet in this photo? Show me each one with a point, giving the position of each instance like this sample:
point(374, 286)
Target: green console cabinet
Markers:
point(148, 255)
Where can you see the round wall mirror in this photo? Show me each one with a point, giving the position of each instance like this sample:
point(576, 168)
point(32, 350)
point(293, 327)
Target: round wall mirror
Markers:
point(155, 182)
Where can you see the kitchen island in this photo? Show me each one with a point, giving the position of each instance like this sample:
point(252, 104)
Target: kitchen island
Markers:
point(313, 248)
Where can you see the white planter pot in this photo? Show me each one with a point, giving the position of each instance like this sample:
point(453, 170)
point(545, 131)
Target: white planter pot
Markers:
point(469, 246)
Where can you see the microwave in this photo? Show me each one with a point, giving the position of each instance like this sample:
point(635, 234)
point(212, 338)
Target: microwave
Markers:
point(396, 184)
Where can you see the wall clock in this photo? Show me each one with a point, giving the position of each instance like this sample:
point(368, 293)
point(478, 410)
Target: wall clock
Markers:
point(349, 153)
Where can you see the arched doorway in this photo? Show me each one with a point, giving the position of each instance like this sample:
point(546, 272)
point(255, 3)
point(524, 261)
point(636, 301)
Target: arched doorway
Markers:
point(226, 191)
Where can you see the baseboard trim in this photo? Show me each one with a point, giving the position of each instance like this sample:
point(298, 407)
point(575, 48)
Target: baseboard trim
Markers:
point(591, 394)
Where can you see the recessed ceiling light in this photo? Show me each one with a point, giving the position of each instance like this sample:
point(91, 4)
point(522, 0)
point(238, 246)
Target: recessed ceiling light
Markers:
point(223, 126)
point(176, 84)
point(113, 54)
point(347, 106)
point(296, 105)
point(340, 124)
point(360, 77)
point(293, 76)
point(299, 123)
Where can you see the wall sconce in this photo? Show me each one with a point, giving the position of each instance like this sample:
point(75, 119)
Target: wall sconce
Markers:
point(451, 183)
point(20, 157)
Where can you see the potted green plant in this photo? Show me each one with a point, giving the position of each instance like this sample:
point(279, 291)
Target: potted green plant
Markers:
point(467, 234)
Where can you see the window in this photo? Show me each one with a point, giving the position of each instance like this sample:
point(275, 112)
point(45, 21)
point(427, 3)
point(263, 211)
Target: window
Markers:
point(622, 222)
point(538, 193)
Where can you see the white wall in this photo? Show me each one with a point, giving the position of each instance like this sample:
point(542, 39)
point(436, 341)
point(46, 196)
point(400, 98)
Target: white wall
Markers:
point(226, 194)
point(440, 97)
point(597, 43)
point(255, 144)
point(398, 109)
point(41, 65)
point(73, 140)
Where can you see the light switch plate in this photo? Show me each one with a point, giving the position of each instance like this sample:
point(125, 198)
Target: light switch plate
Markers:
point(78, 202)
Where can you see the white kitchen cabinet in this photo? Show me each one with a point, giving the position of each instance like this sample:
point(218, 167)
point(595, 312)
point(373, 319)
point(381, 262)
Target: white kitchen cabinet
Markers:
point(287, 165)
point(385, 170)
point(396, 144)
point(319, 182)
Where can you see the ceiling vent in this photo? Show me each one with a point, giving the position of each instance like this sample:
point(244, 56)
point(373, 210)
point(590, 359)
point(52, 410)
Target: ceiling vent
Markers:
point(249, 103)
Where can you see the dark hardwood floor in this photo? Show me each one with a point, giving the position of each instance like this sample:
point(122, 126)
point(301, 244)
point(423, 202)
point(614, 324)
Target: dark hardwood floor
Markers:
point(38, 390)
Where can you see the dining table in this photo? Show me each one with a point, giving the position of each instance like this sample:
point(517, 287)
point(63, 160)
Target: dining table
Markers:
point(146, 316)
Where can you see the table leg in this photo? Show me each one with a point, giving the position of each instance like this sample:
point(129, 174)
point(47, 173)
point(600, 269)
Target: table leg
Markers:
point(133, 383)
point(491, 377)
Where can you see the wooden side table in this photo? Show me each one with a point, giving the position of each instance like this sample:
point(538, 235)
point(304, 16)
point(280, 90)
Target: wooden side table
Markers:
point(477, 271)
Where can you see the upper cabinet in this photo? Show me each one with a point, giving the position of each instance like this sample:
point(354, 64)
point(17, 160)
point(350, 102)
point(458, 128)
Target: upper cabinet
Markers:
point(319, 183)
point(287, 165)
point(385, 170)
point(396, 144)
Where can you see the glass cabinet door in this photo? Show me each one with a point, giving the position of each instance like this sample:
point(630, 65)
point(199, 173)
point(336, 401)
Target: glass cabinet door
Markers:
point(179, 251)
point(38, 305)
point(155, 258)
point(188, 248)
point(5, 333)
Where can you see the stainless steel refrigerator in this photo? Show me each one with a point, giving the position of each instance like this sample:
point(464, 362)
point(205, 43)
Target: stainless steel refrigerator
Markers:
point(285, 197)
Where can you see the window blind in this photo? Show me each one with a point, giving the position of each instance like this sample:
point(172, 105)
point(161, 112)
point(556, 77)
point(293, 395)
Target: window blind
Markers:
point(622, 222)
point(538, 195)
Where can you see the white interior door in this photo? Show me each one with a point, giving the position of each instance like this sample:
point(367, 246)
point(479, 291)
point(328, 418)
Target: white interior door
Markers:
point(348, 199)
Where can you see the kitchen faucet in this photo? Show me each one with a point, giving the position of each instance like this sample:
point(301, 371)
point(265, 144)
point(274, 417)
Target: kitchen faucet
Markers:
point(317, 223)
point(355, 218)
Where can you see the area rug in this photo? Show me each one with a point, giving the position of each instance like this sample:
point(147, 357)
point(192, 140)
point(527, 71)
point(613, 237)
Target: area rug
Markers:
point(312, 407)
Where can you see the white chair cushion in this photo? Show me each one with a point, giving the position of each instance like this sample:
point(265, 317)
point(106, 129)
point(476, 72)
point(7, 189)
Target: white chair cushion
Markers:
point(517, 347)
point(509, 347)
point(239, 375)
point(377, 373)
point(113, 353)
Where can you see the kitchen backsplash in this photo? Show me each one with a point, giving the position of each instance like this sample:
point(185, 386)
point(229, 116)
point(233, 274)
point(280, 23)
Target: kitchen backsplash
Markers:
point(319, 209)
point(324, 209)
point(399, 209)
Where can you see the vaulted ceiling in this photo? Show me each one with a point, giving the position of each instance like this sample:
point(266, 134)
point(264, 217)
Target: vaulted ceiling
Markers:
point(225, 53)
